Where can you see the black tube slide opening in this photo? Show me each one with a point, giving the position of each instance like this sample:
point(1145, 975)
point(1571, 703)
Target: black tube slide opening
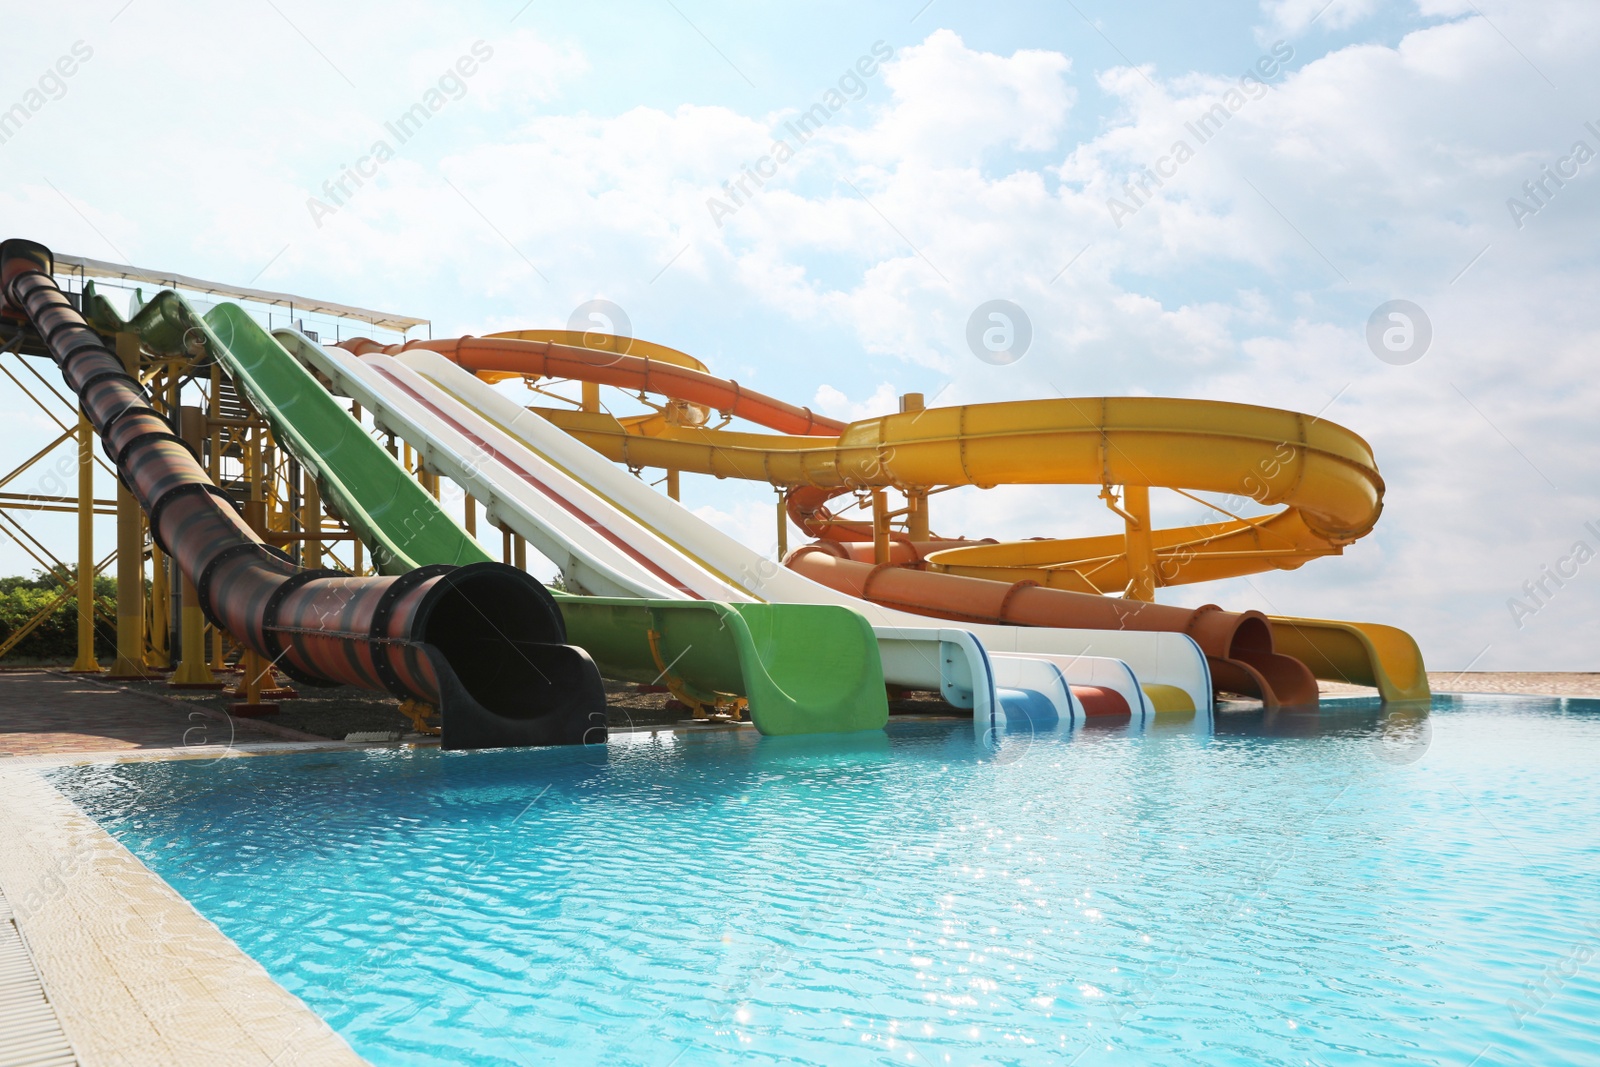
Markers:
point(499, 636)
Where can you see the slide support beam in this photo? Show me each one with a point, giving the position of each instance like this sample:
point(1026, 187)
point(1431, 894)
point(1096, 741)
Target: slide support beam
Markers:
point(1140, 547)
point(86, 662)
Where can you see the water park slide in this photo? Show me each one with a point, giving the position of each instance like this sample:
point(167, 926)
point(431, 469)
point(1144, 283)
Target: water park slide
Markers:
point(539, 502)
point(1113, 445)
point(629, 533)
point(1322, 473)
point(483, 643)
point(1359, 653)
point(1100, 684)
point(797, 668)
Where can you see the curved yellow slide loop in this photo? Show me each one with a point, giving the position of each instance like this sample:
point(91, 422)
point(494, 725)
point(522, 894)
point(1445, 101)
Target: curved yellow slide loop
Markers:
point(1184, 555)
point(1322, 474)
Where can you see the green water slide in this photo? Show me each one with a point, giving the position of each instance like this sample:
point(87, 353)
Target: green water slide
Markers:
point(800, 668)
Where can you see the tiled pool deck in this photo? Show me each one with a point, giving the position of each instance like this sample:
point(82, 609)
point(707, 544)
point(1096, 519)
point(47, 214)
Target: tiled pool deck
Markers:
point(109, 965)
point(129, 972)
point(133, 973)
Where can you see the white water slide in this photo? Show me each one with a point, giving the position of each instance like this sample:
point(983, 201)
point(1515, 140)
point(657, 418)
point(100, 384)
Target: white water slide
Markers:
point(610, 534)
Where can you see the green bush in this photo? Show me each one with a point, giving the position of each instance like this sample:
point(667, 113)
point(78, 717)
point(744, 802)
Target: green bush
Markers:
point(55, 640)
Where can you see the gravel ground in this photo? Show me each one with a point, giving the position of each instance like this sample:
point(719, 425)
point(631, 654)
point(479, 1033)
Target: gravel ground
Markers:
point(341, 710)
point(329, 713)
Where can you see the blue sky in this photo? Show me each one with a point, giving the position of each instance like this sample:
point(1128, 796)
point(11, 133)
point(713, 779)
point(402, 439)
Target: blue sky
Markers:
point(576, 163)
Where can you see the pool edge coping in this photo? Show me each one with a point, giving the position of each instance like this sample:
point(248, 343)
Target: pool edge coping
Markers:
point(133, 971)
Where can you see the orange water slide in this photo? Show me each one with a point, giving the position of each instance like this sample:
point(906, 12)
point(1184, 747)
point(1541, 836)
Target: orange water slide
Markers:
point(1238, 645)
point(637, 366)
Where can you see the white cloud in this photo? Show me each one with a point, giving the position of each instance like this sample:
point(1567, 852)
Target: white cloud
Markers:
point(750, 523)
point(1295, 16)
point(1393, 164)
point(885, 400)
point(521, 69)
point(951, 105)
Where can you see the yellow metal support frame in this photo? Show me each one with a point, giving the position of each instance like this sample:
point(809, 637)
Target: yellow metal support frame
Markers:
point(86, 663)
point(157, 614)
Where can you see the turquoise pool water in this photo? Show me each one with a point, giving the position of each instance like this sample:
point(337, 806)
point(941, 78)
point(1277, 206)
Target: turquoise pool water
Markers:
point(1307, 888)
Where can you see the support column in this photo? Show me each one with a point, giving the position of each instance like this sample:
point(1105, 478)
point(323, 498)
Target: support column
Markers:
point(255, 505)
point(916, 499)
point(160, 607)
point(917, 515)
point(311, 522)
point(293, 509)
point(86, 661)
point(266, 478)
point(783, 525)
point(591, 398)
point(520, 550)
point(214, 469)
point(256, 671)
point(357, 550)
point(158, 656)
point(672, 484)
point(130, 555)
point(257, 675)
point(471, 516)
point(1140, 546)
point(174, 599)
point(880, 526)
point(191, 672)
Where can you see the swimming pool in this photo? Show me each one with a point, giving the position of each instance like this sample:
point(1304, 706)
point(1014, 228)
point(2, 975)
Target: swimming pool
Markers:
point(1296, 888)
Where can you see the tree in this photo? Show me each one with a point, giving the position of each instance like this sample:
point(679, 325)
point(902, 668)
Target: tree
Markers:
point(55, 640)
